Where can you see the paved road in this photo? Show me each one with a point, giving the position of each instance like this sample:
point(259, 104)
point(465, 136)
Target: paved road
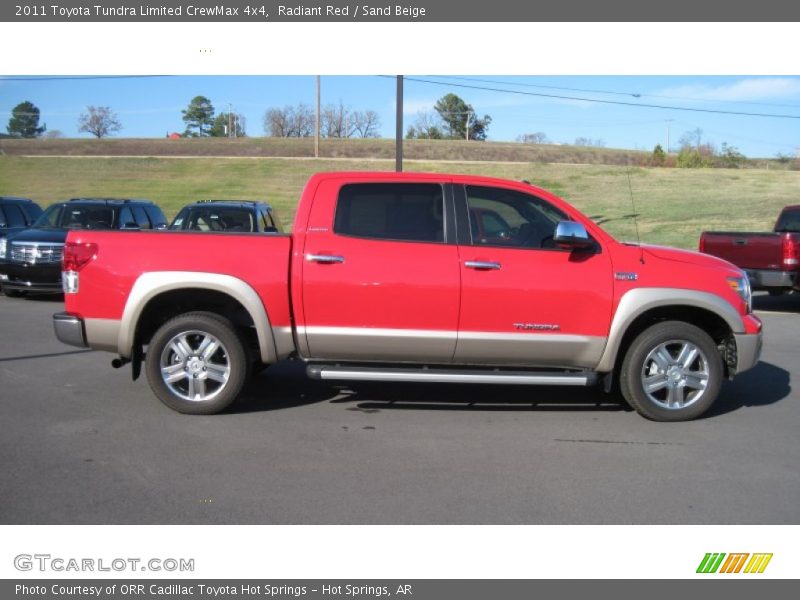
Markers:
point(82, 443)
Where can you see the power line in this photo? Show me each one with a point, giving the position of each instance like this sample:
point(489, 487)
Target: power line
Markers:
point(599, 101)
point(614, 93)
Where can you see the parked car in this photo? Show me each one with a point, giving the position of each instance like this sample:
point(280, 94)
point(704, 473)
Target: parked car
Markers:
point(770, 259)
point(30, 260)
point(227, 216)
point(382, 279)
point(15, 215)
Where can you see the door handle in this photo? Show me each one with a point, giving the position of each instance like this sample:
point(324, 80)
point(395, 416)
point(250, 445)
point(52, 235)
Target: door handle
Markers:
point(326, 259)
point(482, 265)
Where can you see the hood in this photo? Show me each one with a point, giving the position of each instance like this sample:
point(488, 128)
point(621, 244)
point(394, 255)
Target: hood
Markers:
point(40, 235)
point(689, 257)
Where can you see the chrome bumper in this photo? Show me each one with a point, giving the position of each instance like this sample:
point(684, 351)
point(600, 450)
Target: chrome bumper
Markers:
point(748, 350)
point(69, 329)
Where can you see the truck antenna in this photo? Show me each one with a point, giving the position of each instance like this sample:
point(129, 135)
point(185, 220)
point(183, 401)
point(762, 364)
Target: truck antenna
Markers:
point(635, 220)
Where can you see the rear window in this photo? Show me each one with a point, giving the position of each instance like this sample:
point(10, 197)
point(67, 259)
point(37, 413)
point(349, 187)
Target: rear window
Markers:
point(391, 211)
point(789, 221)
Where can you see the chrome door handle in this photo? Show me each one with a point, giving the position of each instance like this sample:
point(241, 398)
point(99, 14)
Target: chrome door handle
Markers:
point(482, 265)
point(325, 258)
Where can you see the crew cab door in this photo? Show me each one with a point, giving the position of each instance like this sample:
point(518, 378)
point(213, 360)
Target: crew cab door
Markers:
point(380, 274)
point(525, 301)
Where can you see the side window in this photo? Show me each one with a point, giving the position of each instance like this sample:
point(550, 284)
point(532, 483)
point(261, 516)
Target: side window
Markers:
point(126, 217)
point(141, 217)
point(500, 217)
point(14, 216)
point(157, 217)
point(391, 211)
point(31, 210)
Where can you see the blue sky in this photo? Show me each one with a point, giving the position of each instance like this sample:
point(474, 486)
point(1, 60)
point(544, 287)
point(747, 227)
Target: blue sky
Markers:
point(151, 107)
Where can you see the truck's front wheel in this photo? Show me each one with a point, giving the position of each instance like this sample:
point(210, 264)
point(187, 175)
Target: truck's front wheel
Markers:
point(671, 372)
point(196, 363)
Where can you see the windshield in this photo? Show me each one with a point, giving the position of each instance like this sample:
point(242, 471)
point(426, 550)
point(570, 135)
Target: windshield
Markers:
point(70, 216)
point(789, 221)
point(214, 218)
point(48, 218)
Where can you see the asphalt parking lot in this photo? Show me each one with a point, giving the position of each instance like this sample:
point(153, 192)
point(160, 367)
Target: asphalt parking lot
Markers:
point(82, 443)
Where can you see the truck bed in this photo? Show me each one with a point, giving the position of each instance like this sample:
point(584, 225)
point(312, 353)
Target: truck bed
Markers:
point(747, 250)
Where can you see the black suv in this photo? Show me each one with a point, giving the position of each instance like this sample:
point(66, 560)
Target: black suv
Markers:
point(30, 261)
point(227, 216)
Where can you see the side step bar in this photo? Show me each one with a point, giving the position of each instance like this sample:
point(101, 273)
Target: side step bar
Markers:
point(359, 373)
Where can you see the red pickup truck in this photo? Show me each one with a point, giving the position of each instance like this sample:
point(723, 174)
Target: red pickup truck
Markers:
point(413, 277)
point(771, 260)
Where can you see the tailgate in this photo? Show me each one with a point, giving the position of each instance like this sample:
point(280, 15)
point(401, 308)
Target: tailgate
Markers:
point(745, 250)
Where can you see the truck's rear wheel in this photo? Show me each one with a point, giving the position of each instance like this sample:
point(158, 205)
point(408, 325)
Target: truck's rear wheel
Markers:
point(671, 372)
point(196, 363)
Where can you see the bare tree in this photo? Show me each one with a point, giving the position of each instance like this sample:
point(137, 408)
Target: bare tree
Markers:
point(289, 121)
point(691, 139)
point(427, 126)
point(100, 121)
point(539, 137)
point(276, 123)
point(337, 121)
point(366, 123)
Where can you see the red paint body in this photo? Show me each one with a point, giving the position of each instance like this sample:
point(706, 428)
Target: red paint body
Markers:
point(400, 285)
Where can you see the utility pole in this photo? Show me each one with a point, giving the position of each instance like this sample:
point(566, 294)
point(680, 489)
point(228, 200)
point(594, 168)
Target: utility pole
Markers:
point(231, 133)
point(316, 135)
point(668, 123)
point(467, 124)
point(398, 143)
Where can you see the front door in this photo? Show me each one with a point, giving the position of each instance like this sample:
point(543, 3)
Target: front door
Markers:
point(525, 301)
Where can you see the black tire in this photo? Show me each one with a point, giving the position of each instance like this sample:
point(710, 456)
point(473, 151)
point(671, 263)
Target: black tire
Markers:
point(13, 293)
point(646, 354)
point(229, 359)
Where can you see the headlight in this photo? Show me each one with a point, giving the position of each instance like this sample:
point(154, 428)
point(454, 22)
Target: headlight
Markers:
point(741, 285)
point(3, 244)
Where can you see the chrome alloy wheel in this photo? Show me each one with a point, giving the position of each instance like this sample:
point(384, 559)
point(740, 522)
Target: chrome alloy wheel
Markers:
point(675, 374)
point(195, 366)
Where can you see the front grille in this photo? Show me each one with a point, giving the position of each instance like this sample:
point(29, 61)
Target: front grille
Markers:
point(33, 253)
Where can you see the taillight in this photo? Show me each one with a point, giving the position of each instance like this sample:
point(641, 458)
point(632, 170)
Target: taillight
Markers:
point(702, 246)
point(76, 256)
point(790, 254)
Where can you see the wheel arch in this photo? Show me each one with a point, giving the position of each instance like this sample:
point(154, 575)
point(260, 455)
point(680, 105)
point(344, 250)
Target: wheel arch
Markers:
point(640, 308)
point(165, 294)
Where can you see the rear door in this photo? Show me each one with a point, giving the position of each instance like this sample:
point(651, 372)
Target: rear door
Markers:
point(525, 301)
point(380, 274)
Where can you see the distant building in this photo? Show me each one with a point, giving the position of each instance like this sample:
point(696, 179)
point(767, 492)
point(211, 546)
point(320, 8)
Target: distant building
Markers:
point(174, 136)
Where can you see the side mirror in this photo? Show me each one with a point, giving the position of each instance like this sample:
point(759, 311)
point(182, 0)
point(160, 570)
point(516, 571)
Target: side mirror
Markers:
point(570, 234)
point(161, 227)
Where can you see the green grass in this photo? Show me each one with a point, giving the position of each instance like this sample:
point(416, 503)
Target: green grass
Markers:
point(674, 205)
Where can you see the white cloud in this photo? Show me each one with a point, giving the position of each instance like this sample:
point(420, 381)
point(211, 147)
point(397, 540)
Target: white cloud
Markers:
point(758, 89)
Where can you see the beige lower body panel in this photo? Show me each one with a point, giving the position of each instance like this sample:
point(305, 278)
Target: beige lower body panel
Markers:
point(450, 347)
point(380, 345)
point(102, 334)
point(535, 349)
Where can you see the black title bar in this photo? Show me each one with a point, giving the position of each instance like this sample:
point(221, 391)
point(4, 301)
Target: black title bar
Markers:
point(401, 11)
